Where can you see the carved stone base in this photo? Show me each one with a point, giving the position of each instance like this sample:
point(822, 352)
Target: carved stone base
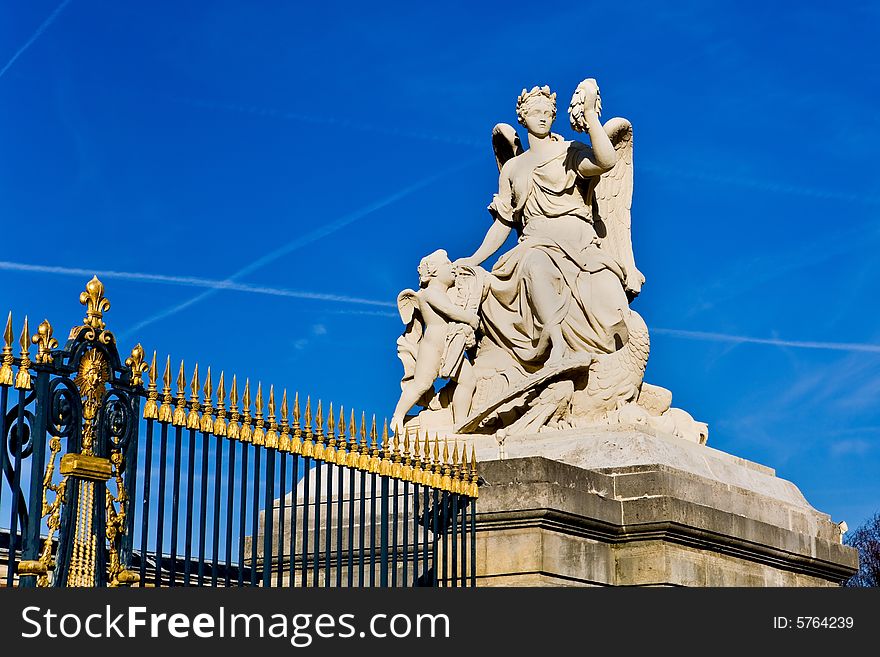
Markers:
point(623, 507)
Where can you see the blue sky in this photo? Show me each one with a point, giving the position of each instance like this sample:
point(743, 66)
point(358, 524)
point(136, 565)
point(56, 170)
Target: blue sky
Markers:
point(309, 157)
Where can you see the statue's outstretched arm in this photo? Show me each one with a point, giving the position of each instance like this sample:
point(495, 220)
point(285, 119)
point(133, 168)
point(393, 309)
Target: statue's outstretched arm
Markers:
point(603, 155)
point(495, 237)
point(443, 305)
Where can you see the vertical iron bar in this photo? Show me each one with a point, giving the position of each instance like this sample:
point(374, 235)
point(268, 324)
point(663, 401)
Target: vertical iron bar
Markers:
point(351, 519)
point(145, 521)
point(31, 547)
point(160, 516)
point(4, 400)
point(444, 532)
point(282, 494)
point(435, 525)
point(362, 534)
point(416, 543)
point(175, 504)
point(473, 564)
point(215, 538)
point(230, 499)
point(339, 495)
point(426, 519)
point(294, 487)
point(328, 533)
point(454, 555)
point(394, 518)
point(242, 508)
point(269, 518)
point(191, 475)
point(372, 529)
point(255, 516)
point(203, 509)
point(130, 481)
point(463, 501)
point(383, 527)
point(16, 485)
point(317, 539)
point(307, 468)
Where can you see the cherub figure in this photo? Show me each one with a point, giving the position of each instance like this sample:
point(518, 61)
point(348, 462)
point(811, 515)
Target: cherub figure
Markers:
point(440, 326)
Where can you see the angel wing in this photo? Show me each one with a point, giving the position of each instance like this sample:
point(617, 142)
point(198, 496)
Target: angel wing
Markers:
point(408, 343)
point(614, 199)
point(505, 143)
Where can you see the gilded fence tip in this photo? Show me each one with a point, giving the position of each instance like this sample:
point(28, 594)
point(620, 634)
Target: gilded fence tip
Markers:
point(272, 426)
point(246, 432)
point(151, 408)
point(308, 445)
point(193, 421)
point(353, 455)
point(179, 417)
point(318, 449)
point(220, 421)
point(207, 422)
point(331, 425)
point(385, 462)
point(475, 489)
point(46, 343)
point(232, 429)
point(23, 377)
point(165, 409)
point(7, 357)
point(284, 439)
point(96, 304)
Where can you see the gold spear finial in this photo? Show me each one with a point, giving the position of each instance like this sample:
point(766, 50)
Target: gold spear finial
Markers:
point(417, 473)
point(353, 455)
point(151, 408)
point(341, 456)
point(233, 430)
point(296, 443)
point(46, 343)
point(247, 431)
point(23, 378)
point(207, 424)
point(438, 466)
point(318, 449)
point(8, 358)
point(331, 426)
point(165, 408)
point(407, 471)
point(220, 422)
point(259, 435)
point(308, 447)
point(330, 449)
point(364, 459)
point(193, 421)
point(284, 438)
point(446, 480)
point(385, 463)
point(375, 458)
point(475, 489)
point(179, 418)
point(272, 431)
point(456, 479)
point(396, 467)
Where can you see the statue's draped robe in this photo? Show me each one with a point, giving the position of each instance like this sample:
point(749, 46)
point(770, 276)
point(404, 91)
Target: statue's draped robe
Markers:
point(550, 204)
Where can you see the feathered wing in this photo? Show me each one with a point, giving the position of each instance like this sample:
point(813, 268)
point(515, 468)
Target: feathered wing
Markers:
point(505, 143)
point(408, 343)
point(614, 197)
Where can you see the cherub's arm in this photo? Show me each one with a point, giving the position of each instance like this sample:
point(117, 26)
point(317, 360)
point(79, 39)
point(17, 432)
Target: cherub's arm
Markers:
point(441, 303)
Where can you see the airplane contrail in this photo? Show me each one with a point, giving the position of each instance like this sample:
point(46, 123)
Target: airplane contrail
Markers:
point(36, 35)
point(799, 344)
point(189, 281)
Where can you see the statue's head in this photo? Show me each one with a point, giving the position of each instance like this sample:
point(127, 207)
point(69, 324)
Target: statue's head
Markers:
point(535, 108)
point(436, 264)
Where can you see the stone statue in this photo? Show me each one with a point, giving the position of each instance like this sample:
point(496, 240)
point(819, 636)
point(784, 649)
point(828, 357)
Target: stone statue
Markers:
point(441, 321)
point(557, 345)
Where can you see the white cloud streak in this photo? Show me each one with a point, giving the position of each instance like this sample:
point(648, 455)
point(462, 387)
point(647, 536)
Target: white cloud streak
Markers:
point(36, 35)
point(189, 281)
point(800, 344)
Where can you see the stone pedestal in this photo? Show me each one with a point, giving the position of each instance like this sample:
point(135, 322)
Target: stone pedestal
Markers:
point(625, 506)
